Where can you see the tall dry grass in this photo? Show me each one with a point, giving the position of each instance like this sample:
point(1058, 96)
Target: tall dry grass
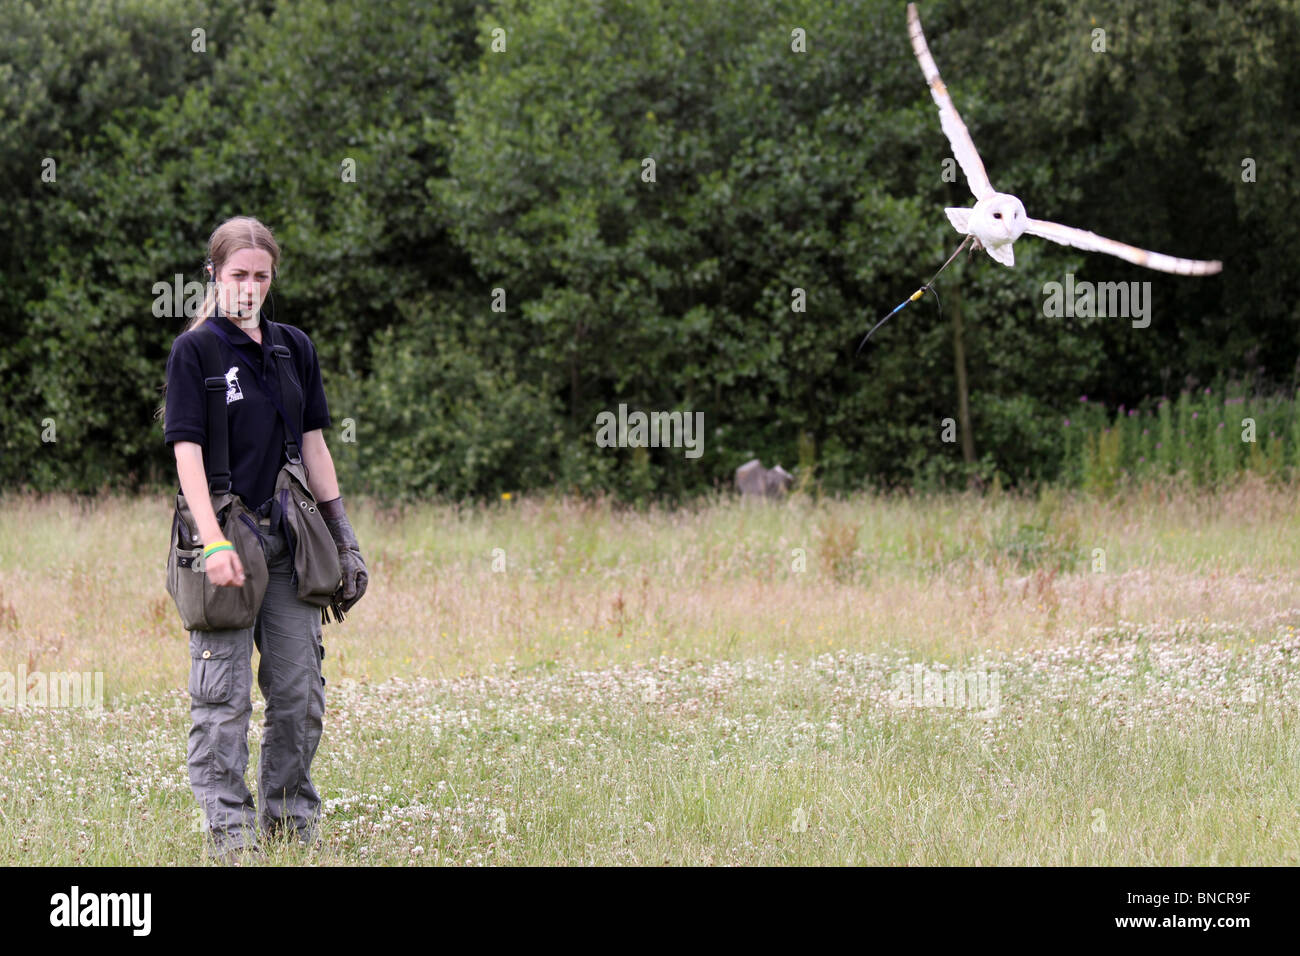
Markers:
point(81, 584)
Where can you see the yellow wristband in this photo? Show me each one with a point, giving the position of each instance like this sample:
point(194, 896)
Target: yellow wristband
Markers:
point(220, 542)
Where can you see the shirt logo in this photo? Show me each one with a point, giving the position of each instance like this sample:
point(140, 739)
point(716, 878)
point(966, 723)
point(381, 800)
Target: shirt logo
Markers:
point(233, 392)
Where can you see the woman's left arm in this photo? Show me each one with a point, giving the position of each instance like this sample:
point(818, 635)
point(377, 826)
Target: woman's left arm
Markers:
point(321, 478)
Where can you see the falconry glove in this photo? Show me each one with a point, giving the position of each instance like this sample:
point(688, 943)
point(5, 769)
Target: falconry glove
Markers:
point(355, 576)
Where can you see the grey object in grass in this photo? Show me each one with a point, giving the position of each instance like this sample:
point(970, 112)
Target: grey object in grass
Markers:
point(753, 480)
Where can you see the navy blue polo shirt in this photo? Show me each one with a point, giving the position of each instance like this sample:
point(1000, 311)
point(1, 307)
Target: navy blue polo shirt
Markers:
point(255, 428)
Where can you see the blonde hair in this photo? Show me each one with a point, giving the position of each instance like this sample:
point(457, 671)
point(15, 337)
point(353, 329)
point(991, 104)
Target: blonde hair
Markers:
point(233, 235)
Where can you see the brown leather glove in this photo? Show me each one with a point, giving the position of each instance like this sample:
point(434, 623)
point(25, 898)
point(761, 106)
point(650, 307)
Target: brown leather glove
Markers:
point(355, 576)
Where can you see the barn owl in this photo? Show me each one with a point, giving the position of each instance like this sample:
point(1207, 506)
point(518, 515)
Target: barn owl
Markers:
point(999, 219)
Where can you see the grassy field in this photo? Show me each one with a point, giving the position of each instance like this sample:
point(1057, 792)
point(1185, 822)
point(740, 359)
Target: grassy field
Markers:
point(562, 682)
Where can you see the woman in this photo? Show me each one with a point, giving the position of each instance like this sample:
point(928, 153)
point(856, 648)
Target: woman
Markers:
point(243, 257)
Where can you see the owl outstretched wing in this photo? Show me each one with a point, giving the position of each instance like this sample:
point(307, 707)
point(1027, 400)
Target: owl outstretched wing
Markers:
point(962, 146)
point(1082, 239)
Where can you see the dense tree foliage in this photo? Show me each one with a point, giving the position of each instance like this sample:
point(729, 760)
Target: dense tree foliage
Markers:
point(675, 208)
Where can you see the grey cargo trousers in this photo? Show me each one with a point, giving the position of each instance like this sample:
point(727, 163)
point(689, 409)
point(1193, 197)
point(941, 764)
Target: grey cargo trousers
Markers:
point(287, 633)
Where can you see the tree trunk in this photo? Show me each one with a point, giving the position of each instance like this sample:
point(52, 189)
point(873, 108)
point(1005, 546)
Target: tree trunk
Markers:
point(963, 391)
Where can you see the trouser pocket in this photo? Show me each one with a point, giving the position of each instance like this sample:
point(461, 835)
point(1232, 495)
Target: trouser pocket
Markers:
point(212, 668)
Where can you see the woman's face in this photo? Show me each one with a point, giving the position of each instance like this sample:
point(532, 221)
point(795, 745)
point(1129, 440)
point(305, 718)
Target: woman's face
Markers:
point(243, 282)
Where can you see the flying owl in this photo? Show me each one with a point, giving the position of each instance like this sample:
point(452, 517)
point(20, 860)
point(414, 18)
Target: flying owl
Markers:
point(998, 219)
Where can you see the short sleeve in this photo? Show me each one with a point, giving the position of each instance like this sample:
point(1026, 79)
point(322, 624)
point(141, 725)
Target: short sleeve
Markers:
point(315, 410)
point(185, 415)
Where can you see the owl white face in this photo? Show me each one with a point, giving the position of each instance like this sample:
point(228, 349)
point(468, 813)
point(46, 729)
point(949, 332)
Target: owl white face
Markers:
point(998, 219)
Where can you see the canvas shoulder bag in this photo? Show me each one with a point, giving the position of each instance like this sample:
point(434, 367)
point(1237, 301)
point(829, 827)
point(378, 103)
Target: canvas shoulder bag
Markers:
point(316, 568)
point(203, 605)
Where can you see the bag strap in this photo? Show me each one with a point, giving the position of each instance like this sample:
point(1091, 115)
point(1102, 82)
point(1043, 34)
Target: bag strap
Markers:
point(217, 460)
point(291, 397)
point(293, 440)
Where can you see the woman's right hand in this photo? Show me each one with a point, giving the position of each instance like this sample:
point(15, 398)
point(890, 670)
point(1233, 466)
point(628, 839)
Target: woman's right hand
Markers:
point(224, 570)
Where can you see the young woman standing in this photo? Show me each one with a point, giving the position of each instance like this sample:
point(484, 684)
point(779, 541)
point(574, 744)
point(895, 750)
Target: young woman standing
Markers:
point(243, 259)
